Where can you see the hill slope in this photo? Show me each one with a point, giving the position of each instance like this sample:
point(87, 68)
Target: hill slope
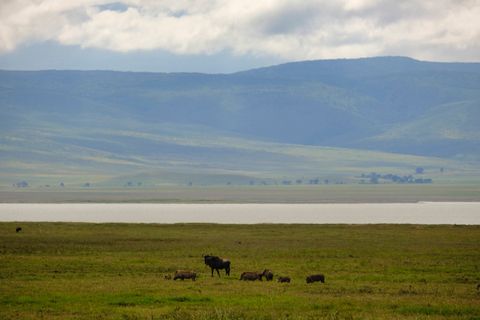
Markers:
point(281, 122)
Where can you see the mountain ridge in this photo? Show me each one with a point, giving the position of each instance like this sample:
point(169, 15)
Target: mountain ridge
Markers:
point(334, 60)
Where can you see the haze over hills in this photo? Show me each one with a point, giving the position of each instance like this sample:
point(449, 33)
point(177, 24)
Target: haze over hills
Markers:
point(329, 118)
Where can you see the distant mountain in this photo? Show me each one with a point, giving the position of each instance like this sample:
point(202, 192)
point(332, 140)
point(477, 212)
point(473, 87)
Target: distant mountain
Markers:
point(239, 126)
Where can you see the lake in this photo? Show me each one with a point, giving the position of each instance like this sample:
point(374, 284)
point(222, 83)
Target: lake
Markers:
point(358, 213)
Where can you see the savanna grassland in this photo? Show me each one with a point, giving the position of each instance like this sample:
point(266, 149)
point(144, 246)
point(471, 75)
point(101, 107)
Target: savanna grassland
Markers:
point(116, 271)
point(339, 193)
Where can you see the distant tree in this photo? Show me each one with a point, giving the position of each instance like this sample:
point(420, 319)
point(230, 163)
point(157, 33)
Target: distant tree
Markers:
point(374, 175)
point(441, 169)
point(419, 170)
point(62, 184)
point(21, 184)
point(86, 185)
point(298, 181)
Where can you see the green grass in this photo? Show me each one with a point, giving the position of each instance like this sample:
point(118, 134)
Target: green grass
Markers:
point(116, 271)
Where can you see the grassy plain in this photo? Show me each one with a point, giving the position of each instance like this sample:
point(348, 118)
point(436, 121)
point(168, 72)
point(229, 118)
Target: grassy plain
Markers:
point(341, 193)
point(116, 271)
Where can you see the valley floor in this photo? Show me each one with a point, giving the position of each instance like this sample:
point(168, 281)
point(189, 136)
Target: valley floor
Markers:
point(383, 193)
point(117, 271)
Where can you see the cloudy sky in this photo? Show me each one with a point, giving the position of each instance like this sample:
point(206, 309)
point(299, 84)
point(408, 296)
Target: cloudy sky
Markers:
point(230, 35)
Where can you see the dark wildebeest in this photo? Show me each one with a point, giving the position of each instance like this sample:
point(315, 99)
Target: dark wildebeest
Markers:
point(316, 278)
point(182, 274)
point(284, 279)
point(268, 274)
point(251, 276)
point(18, 229)
point(217, 263)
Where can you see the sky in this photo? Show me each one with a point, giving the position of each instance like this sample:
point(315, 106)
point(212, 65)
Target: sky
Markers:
point(216, 36)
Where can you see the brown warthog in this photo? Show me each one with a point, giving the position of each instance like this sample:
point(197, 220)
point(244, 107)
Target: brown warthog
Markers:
point(268, 274)
point(182, 274)
point(251, 276)
point(284, 279)
point(316, 278)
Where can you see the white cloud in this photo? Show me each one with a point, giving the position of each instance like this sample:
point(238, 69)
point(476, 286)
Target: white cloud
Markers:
point(289, 29)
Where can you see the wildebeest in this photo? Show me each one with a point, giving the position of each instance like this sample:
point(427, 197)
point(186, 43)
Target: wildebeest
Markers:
point(251, 276)
point(268, 274)
point(182, 274)
point(316, 278)
point(18, 229)
point(284, 279)
point(217, 263)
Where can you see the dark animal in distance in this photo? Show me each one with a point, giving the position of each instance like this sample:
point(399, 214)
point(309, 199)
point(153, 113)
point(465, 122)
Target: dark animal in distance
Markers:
point(284, 279)
point(168, 277)
point(182, 274)
point(251, 276)
point(18, 229)
point(217, 263)
point(316, 278)
point(268, 274)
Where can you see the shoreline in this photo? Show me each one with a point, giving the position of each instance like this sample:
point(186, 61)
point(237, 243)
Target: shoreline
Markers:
point(214, 202)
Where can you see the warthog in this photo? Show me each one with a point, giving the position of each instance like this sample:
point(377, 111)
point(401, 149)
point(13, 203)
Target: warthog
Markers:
point(217, 263)
point(251, 276)
point(268, 274)
point(284, 279)
point(182, 274)
point(167, 277)
point(316, 278)
point(18, 229)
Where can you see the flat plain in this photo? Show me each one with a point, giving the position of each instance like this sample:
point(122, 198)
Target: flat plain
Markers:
point(339, 193)
point(117, 271)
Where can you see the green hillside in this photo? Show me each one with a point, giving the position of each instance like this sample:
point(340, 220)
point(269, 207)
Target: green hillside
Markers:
point(330, 120)
point(185, 154)
point(449, 129)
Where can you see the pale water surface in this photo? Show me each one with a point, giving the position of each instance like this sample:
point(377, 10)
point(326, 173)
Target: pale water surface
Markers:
point(418, 213)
